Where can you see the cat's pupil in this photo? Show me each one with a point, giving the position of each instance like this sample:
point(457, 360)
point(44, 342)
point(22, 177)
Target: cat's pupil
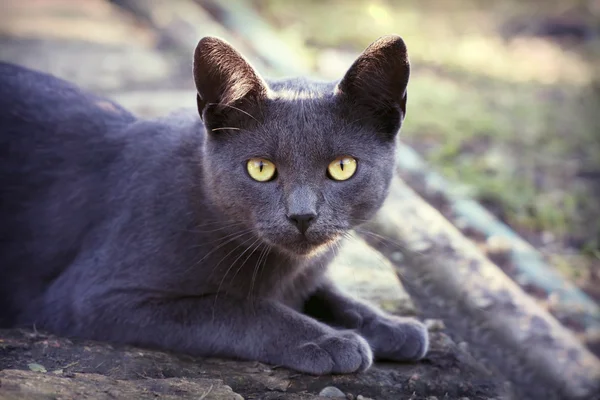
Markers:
point(260, 168)
point(342, 165)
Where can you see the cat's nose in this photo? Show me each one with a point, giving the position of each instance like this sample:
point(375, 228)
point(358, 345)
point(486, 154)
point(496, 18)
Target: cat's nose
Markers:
point(302, 221)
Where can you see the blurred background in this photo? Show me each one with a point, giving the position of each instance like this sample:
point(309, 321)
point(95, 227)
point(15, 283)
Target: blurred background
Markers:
point(503, 101)
point(504, 98)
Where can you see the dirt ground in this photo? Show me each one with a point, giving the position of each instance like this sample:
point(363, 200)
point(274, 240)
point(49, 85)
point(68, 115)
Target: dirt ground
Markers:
point(37, 366)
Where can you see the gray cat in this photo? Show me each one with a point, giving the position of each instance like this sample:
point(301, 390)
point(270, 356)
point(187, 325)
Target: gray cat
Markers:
point(207, 234)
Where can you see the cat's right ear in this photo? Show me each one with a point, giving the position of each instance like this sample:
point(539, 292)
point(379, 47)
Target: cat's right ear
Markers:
point(225, 81)
point(375, 85)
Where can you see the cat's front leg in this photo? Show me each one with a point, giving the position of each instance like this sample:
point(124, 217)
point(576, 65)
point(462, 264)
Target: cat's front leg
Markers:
point(391, 337)
point(220, 326)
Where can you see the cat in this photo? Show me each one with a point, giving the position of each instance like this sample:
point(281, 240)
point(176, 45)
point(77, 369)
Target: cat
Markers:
point(208, 231)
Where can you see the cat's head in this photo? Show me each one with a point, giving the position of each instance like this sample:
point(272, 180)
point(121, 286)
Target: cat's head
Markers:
point(300, 162)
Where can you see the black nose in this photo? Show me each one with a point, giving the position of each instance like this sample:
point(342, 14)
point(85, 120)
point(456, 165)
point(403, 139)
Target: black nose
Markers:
point(302, 221)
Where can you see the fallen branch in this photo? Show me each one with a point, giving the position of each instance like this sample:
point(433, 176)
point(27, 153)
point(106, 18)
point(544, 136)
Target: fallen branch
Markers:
point(448, 277)
point(528, 264)
point(182, 23)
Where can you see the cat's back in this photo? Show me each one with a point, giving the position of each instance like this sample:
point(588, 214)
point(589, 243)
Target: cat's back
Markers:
point(52, 135)
point(46, 121)
point(73, 164)
point(33, 98)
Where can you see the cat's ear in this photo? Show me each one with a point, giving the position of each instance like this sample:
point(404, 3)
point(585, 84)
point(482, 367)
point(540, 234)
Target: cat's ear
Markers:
point(376, 83)
point(224, 78)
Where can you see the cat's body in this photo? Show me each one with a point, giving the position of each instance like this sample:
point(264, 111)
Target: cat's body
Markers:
point(153, 233)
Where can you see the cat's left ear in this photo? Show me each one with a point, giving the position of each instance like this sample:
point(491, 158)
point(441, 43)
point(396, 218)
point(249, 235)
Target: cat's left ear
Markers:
point(225, 81)
point(376, 83)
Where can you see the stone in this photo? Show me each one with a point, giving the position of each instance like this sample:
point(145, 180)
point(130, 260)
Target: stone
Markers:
point(333, 392)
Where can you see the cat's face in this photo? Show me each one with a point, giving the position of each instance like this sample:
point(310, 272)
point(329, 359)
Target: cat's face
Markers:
point(299, 163)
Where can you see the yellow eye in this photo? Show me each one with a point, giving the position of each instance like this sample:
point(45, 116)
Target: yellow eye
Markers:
point(342, 168)
point(260, 169)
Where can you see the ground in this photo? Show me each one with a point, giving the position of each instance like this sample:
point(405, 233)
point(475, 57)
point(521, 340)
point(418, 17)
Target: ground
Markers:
point(37, 366)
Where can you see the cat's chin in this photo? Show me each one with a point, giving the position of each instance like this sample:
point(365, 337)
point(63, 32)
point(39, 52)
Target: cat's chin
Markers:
point(306, 248)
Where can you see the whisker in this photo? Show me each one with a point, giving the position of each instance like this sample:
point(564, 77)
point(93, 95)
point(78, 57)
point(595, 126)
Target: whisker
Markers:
point(401, 249)
point(235, 108)
point(206, 222)
point(225, 128)
point(231, 239)
point(217, 222)
point(256, 247)
point(215, 230)
point(261, 270)
point(234, 261)
point(215, 267)
point(263, 253)
point(223, 278)
point(262, 261)
point(231, 266)
point(221, 238)
point(381, 238)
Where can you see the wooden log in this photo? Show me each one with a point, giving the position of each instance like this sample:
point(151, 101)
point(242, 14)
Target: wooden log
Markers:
point(528, 264)
point(448, 277)
point(183, 23)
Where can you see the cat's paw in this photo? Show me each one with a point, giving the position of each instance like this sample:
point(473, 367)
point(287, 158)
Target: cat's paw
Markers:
point(395, 338)
point(338, 353)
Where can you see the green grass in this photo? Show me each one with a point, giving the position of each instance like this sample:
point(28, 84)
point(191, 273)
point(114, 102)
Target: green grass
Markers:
point(506, 143)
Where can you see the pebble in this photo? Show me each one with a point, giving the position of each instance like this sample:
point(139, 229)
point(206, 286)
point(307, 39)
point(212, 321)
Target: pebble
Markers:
point(332, 392)
point(435, 325)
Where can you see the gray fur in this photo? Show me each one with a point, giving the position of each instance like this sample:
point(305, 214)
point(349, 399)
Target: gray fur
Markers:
point(152, 233)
